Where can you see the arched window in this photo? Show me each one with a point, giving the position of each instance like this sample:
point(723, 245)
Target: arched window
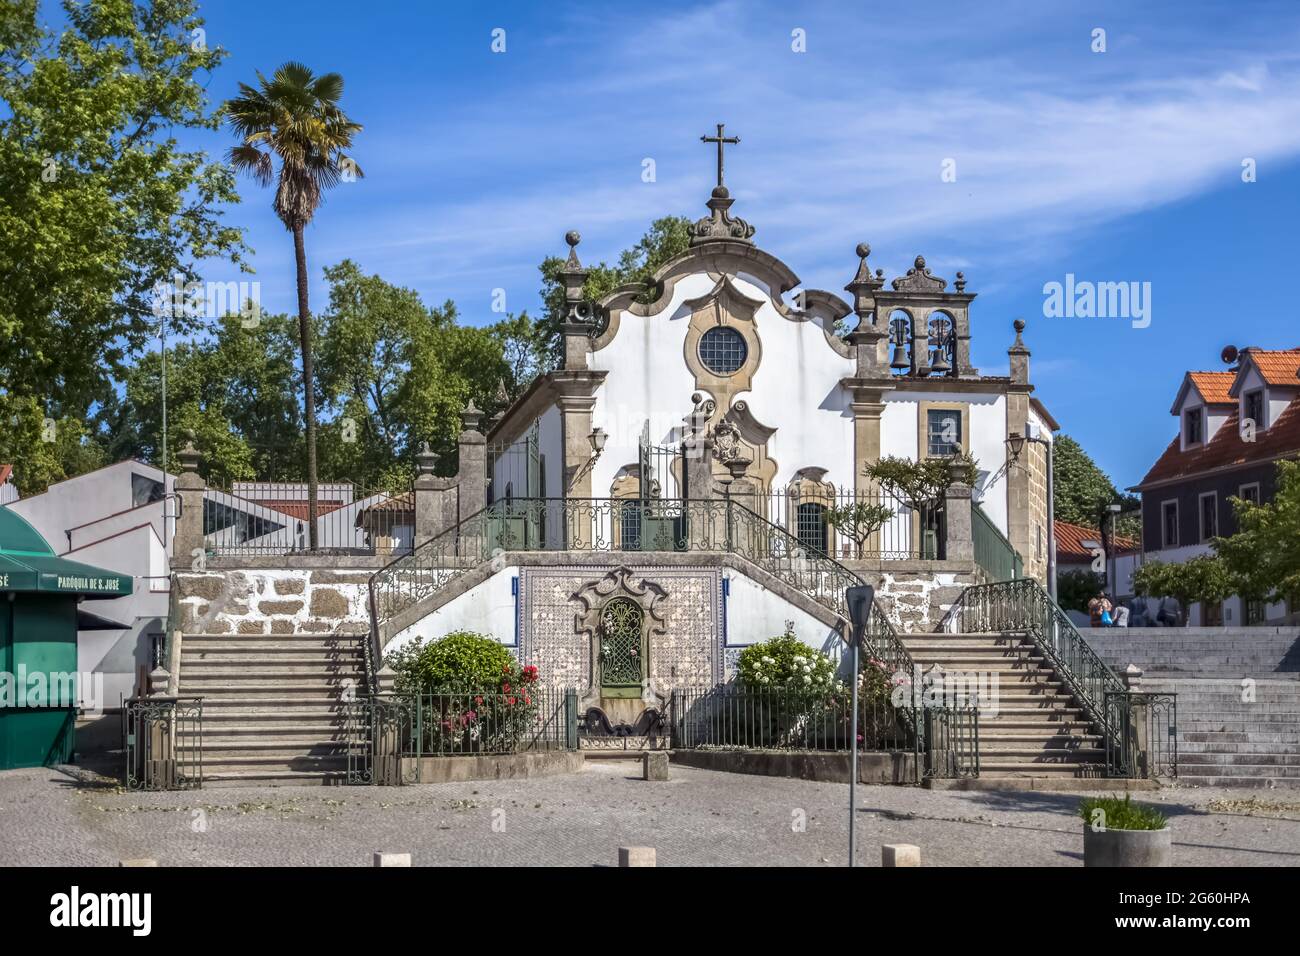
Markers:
point(810, 527)
point(622, 657)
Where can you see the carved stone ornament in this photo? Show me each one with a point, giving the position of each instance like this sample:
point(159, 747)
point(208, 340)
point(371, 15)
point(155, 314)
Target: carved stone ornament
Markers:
point(720, 224)
point(592, 598)
point(919, 279)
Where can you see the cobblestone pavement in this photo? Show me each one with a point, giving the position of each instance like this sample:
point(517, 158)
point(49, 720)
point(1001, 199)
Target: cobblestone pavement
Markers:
point(698, 817)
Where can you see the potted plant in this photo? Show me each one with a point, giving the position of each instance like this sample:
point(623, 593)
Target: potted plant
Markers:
point(1123, 833)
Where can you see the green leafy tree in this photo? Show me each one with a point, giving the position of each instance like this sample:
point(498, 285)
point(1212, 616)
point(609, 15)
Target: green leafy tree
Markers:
point(1263, 557)
point(858, 520)
point(99, 204)
point(667, 238)
point(1083, 493)
point(1074, 589)
point(394, 374)
point(295, 118)
point(233, 388)
point(1202, 579)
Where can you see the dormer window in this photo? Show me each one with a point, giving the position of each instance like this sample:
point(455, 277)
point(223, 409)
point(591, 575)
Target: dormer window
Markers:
point(1193, 426)
point(1252, 408)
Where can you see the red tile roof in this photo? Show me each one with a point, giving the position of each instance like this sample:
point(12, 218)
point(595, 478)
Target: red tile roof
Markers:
point(5, 472)
point(297, 509)
point(1214, 386)
point(1227, 449)
point(1277, 367)
point(1070, 538)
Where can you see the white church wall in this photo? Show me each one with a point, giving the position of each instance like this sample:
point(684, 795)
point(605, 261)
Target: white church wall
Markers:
point(754, 614)
point(487, 608)
point(900, 435)
point(798, 372)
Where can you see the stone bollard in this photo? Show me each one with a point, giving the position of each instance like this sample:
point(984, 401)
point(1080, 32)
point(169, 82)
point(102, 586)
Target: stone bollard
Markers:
point(137, 862)
point(636, 856)
point(654, 766)
point(900, 854)
point(392, 859)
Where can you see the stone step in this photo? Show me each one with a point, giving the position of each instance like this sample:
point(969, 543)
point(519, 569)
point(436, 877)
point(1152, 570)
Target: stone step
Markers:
point(288, 655)
point(268, 670)
point(1261, 781)
point(287, 685)
point(1046, 737)
point(999, 753)
point(1233, 737)
point(236, 705)
point(225, 722)
point(994, 768)
point(1284, 760)
point(285, 746)
point(264, 777)
point(272, 761)
point(1018, 723)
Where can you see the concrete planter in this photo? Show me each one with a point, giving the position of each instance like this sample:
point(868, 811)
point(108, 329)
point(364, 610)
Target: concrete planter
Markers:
point(1112, 847)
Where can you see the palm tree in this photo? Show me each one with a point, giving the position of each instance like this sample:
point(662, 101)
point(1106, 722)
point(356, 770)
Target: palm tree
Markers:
point(295, 116)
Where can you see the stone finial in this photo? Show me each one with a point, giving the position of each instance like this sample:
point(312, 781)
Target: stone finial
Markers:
point(960, 283)
point(190, 457)
point(1132, 677)
point(425, 460)
point(159, 678)
point(471, 416)
point(720, 225)
point(863, 286)
point(573, 276)
point(1019, 355)
point(919, 279)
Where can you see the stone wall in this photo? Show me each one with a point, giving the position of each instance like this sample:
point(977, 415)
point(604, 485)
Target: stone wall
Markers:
point(273, 601)
point(915, 595)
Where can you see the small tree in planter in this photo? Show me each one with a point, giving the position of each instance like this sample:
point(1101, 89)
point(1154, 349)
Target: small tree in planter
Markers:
point(1123, 833)
point(858, 521)
point(1202, 579)
point(921, 485)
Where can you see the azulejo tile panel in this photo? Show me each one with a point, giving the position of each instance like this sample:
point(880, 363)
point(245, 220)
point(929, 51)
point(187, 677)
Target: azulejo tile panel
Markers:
point(688, 653)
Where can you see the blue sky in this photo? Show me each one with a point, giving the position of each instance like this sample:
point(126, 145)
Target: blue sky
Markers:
point(1115, 166)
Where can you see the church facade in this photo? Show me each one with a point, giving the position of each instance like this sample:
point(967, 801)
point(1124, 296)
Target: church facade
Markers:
point(681, 487)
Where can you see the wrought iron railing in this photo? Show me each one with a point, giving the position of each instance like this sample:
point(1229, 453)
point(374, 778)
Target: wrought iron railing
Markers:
point(807, 513)
point(994, 553)
point(949, 740)
point(387, 736)
point(731, 716)
point(164, 743)
point(272, 517)
point(1144, 741)
point(1024, 606)
point(943, 740)
point(611, 524)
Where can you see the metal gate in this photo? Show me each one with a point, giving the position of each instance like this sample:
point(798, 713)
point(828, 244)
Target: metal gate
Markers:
point(516, 482)
point(656, 519)
point(1142, 735)
point(164, 743)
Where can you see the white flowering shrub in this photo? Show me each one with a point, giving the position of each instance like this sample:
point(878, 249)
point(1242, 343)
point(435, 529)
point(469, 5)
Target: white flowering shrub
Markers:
point(786, 663)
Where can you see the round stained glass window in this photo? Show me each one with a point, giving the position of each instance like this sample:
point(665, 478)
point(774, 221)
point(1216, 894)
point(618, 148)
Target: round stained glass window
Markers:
point(723, 350)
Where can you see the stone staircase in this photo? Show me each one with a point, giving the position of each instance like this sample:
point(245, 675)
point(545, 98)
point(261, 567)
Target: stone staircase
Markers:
point(1039, 730)
point(1225, 742)
point(272, 705)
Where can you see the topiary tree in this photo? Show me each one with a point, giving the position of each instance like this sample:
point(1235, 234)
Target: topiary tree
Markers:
point(921, 485)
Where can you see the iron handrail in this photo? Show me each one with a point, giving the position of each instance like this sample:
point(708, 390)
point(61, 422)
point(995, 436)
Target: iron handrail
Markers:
point(596, 524)
point(1024, 605)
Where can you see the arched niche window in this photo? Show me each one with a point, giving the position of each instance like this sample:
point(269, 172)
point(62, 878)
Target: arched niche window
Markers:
point(942, 343)
point(622, 648)
point(900, 341)
point(810, 527)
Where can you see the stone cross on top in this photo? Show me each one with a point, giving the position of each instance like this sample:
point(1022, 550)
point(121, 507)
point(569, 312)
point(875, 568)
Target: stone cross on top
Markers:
point(721, 140)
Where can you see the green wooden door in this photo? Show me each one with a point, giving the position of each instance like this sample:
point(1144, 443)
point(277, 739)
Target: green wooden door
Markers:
point(38, 637)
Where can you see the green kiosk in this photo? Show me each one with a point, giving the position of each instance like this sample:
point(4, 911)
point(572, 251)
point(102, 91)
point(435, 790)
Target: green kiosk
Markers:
point(39, 592)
